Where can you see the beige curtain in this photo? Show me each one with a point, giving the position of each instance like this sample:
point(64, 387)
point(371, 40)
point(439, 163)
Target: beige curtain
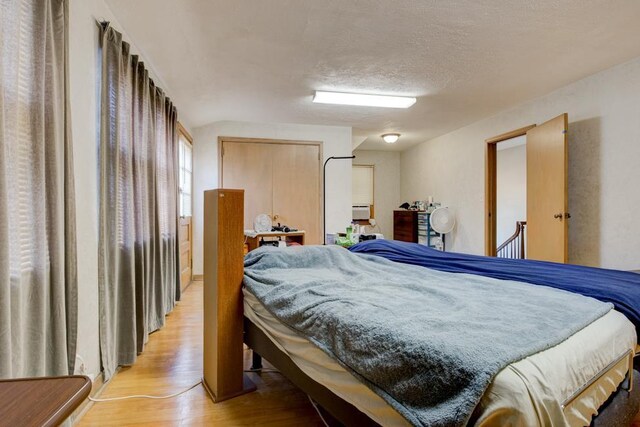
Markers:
point(38, 293)
point(138, 258)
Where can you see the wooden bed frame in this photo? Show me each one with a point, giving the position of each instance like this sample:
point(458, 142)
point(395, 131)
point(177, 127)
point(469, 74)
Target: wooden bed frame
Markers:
point(226, 328)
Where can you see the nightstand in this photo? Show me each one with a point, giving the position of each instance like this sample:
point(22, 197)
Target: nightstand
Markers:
point(253, 238)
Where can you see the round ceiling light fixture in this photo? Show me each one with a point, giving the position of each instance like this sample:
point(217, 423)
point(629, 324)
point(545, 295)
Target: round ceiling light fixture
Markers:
point(390, 138)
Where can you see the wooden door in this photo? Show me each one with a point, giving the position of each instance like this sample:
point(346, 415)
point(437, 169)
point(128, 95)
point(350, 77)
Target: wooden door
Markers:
point(248, 166)
point(547, 201)
point(184, 238)
point(296, 189)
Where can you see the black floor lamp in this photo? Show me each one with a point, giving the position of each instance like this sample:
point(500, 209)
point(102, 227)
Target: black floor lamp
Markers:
point(324, 193)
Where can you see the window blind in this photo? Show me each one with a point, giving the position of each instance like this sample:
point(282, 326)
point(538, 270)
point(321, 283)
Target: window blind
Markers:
point(362, 185)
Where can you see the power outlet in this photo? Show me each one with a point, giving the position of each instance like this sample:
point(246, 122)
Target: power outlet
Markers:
point(81, 367)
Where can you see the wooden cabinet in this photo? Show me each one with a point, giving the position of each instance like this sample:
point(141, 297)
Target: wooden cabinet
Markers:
point(405, 226)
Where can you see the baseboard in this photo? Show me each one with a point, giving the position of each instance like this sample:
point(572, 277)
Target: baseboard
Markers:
point(198, 277)
point(97, 387)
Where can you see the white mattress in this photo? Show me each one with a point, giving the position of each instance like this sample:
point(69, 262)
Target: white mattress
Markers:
point(526, 393)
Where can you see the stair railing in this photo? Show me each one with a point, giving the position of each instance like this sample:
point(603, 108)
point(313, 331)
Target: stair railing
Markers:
point(514, 246)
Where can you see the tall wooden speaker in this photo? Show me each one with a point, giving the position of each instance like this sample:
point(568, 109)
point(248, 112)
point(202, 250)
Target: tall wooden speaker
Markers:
point(224, 376)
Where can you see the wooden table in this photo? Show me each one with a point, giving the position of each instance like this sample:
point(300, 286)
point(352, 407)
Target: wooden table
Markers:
point(45, 401)
point(253, 239)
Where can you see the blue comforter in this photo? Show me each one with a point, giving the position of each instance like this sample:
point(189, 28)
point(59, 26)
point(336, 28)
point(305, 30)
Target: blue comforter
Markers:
point(621, 288)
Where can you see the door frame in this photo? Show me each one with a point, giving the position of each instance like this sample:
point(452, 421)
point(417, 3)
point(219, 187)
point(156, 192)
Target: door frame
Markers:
point(244, 140)
point(490, 186)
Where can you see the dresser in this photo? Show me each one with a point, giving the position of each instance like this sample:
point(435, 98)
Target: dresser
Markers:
point(405, 226)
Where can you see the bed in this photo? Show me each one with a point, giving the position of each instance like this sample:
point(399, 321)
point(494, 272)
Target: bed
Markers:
point(564, 382)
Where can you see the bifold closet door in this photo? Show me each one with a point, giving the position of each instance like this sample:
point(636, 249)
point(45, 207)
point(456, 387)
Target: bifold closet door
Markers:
point(248, 166)
point(296, 188)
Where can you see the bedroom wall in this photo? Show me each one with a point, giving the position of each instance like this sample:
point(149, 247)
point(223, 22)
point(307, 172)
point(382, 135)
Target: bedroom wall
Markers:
point(604, 159)
point(336, 141)
point(386, 183)
point(84, 56)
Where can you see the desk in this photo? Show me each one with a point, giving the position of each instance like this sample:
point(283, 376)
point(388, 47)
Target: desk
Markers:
point(253, 238)
point(46, 401)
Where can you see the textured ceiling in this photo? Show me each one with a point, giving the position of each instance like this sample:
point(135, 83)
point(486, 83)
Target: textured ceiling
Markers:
point(261, 60)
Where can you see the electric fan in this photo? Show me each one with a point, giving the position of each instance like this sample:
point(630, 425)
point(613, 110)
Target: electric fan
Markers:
point(262, 223)
point(442, 221)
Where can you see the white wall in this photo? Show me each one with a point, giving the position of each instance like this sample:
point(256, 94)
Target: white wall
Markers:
point(604, 172)
point(511, 183)
point(386, 180)
point(336, 141)
point(84, 73)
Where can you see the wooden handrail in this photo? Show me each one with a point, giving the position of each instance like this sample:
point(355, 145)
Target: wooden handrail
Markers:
point(508, 244)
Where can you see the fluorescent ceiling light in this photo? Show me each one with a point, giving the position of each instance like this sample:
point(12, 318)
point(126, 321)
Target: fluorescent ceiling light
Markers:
point(363, 100)
point(390, 138)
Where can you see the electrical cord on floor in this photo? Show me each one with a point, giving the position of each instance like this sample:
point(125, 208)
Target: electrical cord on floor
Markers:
point(145, 396)
point(169, 396)
point(315, 406)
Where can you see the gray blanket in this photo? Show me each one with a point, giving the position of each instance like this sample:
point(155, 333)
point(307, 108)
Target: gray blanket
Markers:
point(426, 341)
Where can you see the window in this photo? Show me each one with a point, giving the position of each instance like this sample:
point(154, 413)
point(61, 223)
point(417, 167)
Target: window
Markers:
point(186, 173)
point(362, 191)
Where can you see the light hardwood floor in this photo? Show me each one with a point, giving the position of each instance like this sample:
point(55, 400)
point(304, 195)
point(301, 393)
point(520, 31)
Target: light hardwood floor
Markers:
point(172, 361)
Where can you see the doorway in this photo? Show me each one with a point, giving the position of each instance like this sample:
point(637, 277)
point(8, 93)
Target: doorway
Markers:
point(511, 198)
point(546, 192)
point(491, 187)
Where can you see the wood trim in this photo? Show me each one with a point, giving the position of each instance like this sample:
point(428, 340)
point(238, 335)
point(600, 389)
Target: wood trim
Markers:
point(490, 200)
point(267, 140)
point(185, 133)
point(509, 135)
point(198, 277)
point(490, 186)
